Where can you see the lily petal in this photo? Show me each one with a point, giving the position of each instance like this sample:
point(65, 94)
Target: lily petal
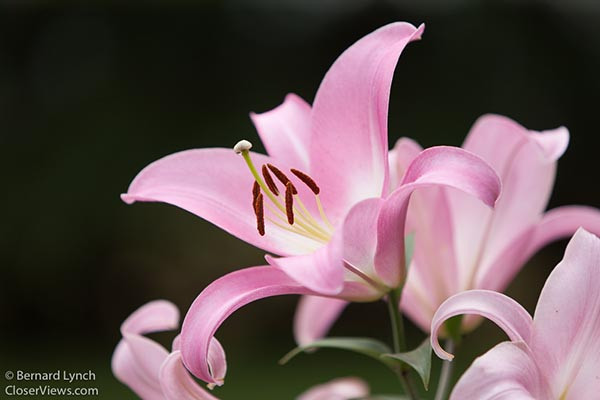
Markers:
point(217, 361)
point(136, 361)
point(563, 222)
point(430, 217)
point(321, 272)
point(349, 119)
point(215, 184)
point(502, 310)
point(360, 235)
point(526, 163)
point(176, 382)
point(437, 166)
point(556, 224)
point(567, 321)
point(337, 389)
point(138, 377)
point(498, 275)
point(219, 300)
point(314, 317)
point(155, 316)
point(405, 150)
point(285, 131)
point(506, 372)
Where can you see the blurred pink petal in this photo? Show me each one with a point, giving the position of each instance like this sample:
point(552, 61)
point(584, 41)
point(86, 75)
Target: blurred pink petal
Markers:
point(285, 131)
point(561, 222)
point(148, 368)
point(399, 158)
point(485, 248)
point(557, 355)
point(337, 389)
point(126, 369)
point(506, 372)
point(314, 316)
point(137, 360)
point(527, 172)
point(430, 212)
point(155, 316)
point(176, 382)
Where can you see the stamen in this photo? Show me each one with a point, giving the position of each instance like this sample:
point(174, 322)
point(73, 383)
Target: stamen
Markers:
point(242, 146)
point(269, 180)
point(260, 214)
point(281, 176)
point(289, 202)
point(255, 191)
point(308, 181)
point(304, 225)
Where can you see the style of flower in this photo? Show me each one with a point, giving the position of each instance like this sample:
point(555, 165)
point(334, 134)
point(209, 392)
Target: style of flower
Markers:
point(333, 218)
point(555, 355)
point(461, 244)
point(155, 374)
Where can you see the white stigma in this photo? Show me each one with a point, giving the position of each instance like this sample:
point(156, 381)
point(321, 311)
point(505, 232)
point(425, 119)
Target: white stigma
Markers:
point(242, 146)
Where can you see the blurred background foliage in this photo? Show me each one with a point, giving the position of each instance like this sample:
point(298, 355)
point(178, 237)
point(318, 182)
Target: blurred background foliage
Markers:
point(90, 94)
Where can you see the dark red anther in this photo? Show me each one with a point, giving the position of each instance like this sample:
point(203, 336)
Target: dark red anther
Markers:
point(269, 180)
point(289, 202)
point(260, 214)
point(255, 191)
point(307, 180)
point(281, 176)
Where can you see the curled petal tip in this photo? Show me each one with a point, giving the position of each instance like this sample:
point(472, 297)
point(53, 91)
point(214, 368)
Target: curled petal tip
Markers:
point(446, 356)
point(242, 146)
point(419, 32)
point(439, 351)
point(127, 198)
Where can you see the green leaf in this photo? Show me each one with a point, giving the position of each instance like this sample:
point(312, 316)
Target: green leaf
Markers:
point(366, 346)
point(419, 359)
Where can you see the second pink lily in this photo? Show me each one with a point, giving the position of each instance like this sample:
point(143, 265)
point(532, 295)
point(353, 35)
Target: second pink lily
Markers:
point(461, 244)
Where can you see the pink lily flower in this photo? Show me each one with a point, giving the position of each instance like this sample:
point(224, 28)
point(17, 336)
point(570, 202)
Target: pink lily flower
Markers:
point(460, 243)
point(555, 355)
point(332, 217)
point(337, 389)
point(155, 374)
point(148, 368)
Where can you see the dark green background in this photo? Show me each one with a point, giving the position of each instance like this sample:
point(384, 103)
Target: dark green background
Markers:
point(91, 94)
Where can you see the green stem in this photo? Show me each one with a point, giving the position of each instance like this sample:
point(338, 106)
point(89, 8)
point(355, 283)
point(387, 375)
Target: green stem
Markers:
point(446, 374)
point(400, 342)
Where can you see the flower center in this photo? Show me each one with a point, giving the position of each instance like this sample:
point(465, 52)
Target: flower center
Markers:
point(284, 207)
